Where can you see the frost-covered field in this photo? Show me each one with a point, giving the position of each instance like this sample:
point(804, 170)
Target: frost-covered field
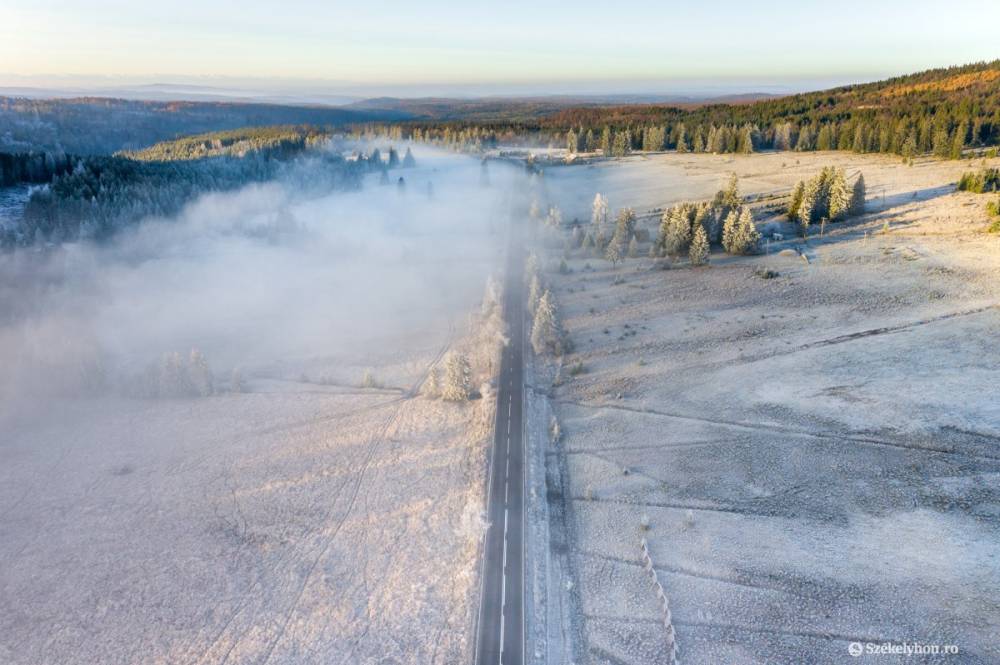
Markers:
point(817, 454)
point(315, 516)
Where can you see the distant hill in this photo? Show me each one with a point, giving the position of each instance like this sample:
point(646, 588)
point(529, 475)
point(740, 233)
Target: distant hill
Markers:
point(96, 126)
point(499, 109)
point(941, 111)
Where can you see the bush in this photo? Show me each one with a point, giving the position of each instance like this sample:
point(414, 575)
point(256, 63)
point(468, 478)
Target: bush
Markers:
point(986, 180)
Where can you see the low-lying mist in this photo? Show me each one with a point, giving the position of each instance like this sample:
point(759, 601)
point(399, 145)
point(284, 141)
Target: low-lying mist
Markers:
point(265, 275)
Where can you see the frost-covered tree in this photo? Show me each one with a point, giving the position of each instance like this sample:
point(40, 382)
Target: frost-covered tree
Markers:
point(680, 137)
point(795, 202)
point(199, 374)
point(554, 219)
point(858, 194)
point(599, 210)
point(455, 386)
point(622, 144)
point(838, 198)
point(675, 230)
point(491, 298)
point(625, 220)
point(545, 328)
point(432, 384)
point(408, 161)
point(633, 248)
point(808, 204)
point(393, 158)
point(606, 141)
point(728, 198)
point(740, 236)
point(534, 293)
point(698, 253)
point(615, 250)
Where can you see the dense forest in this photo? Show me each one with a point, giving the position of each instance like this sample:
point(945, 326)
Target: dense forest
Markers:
point(95, 196)
point(941, 112)
point(94, 126)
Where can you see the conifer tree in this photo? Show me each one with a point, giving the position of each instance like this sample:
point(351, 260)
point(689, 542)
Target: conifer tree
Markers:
point(807, 205)
point(199, 375)
point(545, 330)
point(740, 234)
point(699, 247)
point(606, 141)
point(534, 293)
point(408, 161)
point(432, 385)
point(839, 198)
point(599, 211)
point(571, 141)
point(795, 203)
point(456, 383)
point(858, 194)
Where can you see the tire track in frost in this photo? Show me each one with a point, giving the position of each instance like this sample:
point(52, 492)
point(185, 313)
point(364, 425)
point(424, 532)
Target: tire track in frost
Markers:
point(285, 557)
point(325, 547)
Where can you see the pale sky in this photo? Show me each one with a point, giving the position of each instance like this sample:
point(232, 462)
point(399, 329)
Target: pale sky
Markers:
point(568, 46)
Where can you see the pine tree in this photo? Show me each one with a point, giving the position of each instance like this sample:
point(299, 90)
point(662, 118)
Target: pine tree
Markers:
point(393, 158)
point(807, 205)
point(740, 235)
point(858, 194)
point(432, 385)
point(408, 161)
point(615, 251)
point(676, 230)
point(746, 140)
point(795, 203)
point(839, 198)
point(599, 211)
point(633, 248)
point(571, 141)
point(199, 375)
point(606, 141)
point(699, 247)
point(455, 387)
point(544, 330)
point(681, 138)
point(534, 293)
point(958, 142)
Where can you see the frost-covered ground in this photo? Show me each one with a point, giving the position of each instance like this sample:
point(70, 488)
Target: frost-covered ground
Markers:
point(306, 519)
point(817, 454)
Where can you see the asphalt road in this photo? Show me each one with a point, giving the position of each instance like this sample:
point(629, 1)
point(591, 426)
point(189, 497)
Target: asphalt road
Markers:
point(500, 632)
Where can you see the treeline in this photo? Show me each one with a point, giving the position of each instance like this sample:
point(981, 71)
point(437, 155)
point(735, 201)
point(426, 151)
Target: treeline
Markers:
point(99, 126)
point(281, 142)
point(94, 197)
point(32, 167)
point(940, 112)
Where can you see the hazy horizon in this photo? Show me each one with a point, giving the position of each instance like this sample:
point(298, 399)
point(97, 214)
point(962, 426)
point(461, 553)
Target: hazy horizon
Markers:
point(329, 54)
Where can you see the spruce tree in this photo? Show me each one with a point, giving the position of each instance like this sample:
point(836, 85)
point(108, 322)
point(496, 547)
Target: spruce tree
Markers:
point(534, 293)
point(408, 161)
point(839, 198)
point(456, 386)
point(807, 205)
point(699, 247)
point(858, 194)
point(544, 329)
point(795, 203)
point(740, 235)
